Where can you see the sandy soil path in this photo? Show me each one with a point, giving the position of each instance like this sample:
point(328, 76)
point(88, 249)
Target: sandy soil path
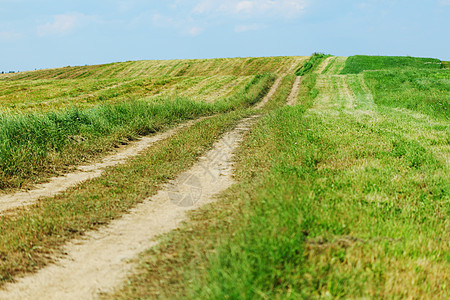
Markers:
point(292, 99)
point(100, 262)
point(59, 184)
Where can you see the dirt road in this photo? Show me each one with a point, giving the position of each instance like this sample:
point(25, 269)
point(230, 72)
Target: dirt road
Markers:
point(59, 184)
point(101, 261)
point(292, 98)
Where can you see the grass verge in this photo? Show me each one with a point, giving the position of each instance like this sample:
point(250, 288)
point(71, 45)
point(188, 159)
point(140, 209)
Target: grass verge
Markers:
point(308, 91)
point(30, 236)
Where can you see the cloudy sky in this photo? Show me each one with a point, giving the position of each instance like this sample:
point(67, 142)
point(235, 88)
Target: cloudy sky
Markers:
point(50, 33)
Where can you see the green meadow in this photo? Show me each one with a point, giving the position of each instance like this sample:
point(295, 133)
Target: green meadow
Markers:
point(343, 195)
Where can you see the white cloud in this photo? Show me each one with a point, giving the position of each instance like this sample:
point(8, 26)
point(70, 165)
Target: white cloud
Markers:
point(185, 26)
point(63, 24)
point(204, 14)
point(204, 7)
point(253, 8)
point(245, 7)
point(9, 35)
point(195, 31)
point(251, 27)
point(444, 2)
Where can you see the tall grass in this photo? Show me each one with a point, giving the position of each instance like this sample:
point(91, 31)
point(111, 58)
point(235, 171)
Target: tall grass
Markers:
point(312, 63)
point(35, 144)
point(424, 91)
point(358, 63)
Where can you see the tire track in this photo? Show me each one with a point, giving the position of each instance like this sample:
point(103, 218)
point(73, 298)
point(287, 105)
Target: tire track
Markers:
point(100, 262)
point(292, 98)
point(324, 65)
point(270, 94)
point(59, 184)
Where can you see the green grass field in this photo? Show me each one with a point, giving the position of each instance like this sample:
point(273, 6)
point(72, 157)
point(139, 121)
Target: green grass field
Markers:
point(344, 195)
point(54, 94)
point(357, 64)
point(53, 119)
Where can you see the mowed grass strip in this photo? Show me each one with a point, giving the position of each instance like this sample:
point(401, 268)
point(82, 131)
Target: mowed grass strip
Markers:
point(50, 94)
point(30, 237)
point(35, 146)
point(240, 66)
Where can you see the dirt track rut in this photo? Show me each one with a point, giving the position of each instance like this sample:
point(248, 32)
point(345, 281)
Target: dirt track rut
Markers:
point(292, 98)
point(59, 184)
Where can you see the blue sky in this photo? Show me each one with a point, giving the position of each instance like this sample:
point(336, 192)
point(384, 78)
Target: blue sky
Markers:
point(49, 33)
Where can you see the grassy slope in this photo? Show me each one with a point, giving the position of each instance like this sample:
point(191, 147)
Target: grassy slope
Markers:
point(204, 80)
point(35, 145)
point(420, 90)
point(114, 103)
point(30, 236)
point(51, 94)
point(155, 68)
point(347, 200)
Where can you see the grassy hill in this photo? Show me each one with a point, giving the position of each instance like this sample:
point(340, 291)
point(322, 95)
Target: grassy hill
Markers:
point(103, 105)
point(343, 195)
